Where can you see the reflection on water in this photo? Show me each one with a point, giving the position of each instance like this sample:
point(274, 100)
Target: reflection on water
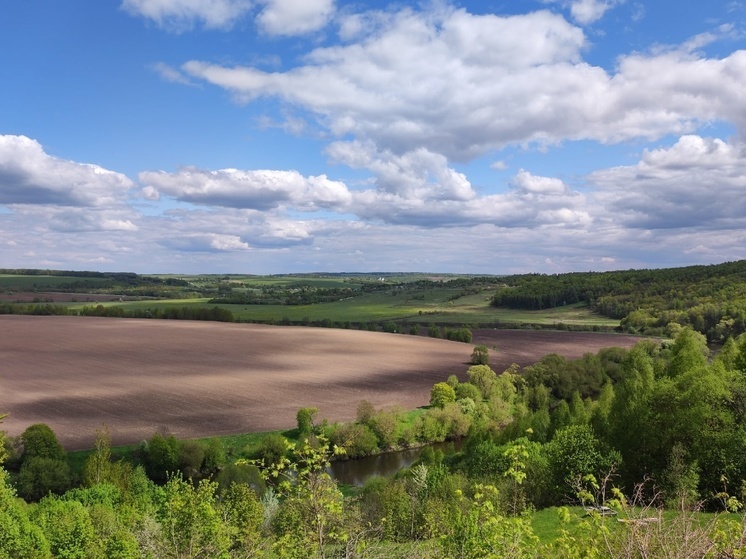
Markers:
point(358, 471)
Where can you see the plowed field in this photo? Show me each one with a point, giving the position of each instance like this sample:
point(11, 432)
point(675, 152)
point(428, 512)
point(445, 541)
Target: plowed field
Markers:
point(202, 378)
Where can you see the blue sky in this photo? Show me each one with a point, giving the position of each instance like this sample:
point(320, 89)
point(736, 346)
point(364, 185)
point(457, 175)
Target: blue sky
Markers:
point(272, 136)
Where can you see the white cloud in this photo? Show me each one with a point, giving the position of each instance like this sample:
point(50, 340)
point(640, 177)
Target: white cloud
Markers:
point(589, 11)
point(419, 174)
point(170, 74)
point(258, 190)
point(462, 85)
point(211, 242)
point(180, 15)
point(586, 12)
point(28, 175)
point(697, 183)
point(294, 17)
point(527, 183)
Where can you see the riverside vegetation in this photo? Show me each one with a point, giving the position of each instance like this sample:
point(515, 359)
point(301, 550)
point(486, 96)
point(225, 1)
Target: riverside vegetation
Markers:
point(656, 434)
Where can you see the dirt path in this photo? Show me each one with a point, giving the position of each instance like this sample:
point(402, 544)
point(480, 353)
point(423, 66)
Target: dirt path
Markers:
point(203, 378)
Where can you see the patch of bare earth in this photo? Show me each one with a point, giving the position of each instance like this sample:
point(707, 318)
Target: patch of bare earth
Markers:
point(199, 379)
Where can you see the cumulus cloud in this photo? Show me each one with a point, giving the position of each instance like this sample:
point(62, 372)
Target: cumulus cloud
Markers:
point(530, 184)
point(180, 15)
point(418, 174)
point(462, 85)
point(210, 242)
point(294, 17)
point(258, 190)
point(589, 11)
point(697, 183)
point(28, 175)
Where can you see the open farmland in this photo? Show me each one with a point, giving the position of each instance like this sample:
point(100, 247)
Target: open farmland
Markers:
point(198, 379)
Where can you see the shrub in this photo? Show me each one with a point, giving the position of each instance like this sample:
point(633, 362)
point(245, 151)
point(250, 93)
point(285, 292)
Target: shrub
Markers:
point(272, 449)
point(459, 335)
point(480, 355)
point(357, 440)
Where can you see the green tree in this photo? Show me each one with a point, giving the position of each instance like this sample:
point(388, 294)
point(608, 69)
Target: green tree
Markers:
point(191, 458)
point(305, 417)
point(98, 466)
point(273, 449)
point(40, 476)
point(19, 537)
point(574, 453)
point(162, 456)
point(365, 412)
point(482, 377)
point(689, 352)
point(240, 474)
point(67, 527)
point(39, 441)
point(357, 439)
point(3, 450)
point(192, 524)
point(245, 516)
point(480, 355)
point(441, 394)
point(311, 515)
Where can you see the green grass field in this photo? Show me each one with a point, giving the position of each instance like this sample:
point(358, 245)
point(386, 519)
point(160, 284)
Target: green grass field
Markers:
point(435, 306)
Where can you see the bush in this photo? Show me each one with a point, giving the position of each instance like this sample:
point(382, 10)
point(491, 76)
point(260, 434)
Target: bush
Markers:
point(459, 335)
point(240, 474)
point(272, 449)
point(357, 440)
point(191, 458)
point(390, 327)
point(480, 355)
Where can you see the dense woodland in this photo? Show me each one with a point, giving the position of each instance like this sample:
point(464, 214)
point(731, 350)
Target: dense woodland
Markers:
point(709, 299)
point(661, 427)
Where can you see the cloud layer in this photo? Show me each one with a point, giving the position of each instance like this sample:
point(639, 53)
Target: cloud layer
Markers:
point(425, 117)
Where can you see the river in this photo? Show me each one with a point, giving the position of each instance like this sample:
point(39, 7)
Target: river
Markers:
point(359, 470)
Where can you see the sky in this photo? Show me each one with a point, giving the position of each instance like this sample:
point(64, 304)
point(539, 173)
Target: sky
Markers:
point(277, 136)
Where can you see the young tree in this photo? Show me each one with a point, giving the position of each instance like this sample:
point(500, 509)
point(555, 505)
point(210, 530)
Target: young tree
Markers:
point(441, 394)
point(191, 521)
point(97, 468)
point(311, 515)
point(305, 417)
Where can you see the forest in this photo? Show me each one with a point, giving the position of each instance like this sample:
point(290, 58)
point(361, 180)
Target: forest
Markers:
point(634, 453)
point(709, 299)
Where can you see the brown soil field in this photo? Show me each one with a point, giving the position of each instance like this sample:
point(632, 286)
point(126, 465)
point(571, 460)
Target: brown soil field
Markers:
point(197, 379)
